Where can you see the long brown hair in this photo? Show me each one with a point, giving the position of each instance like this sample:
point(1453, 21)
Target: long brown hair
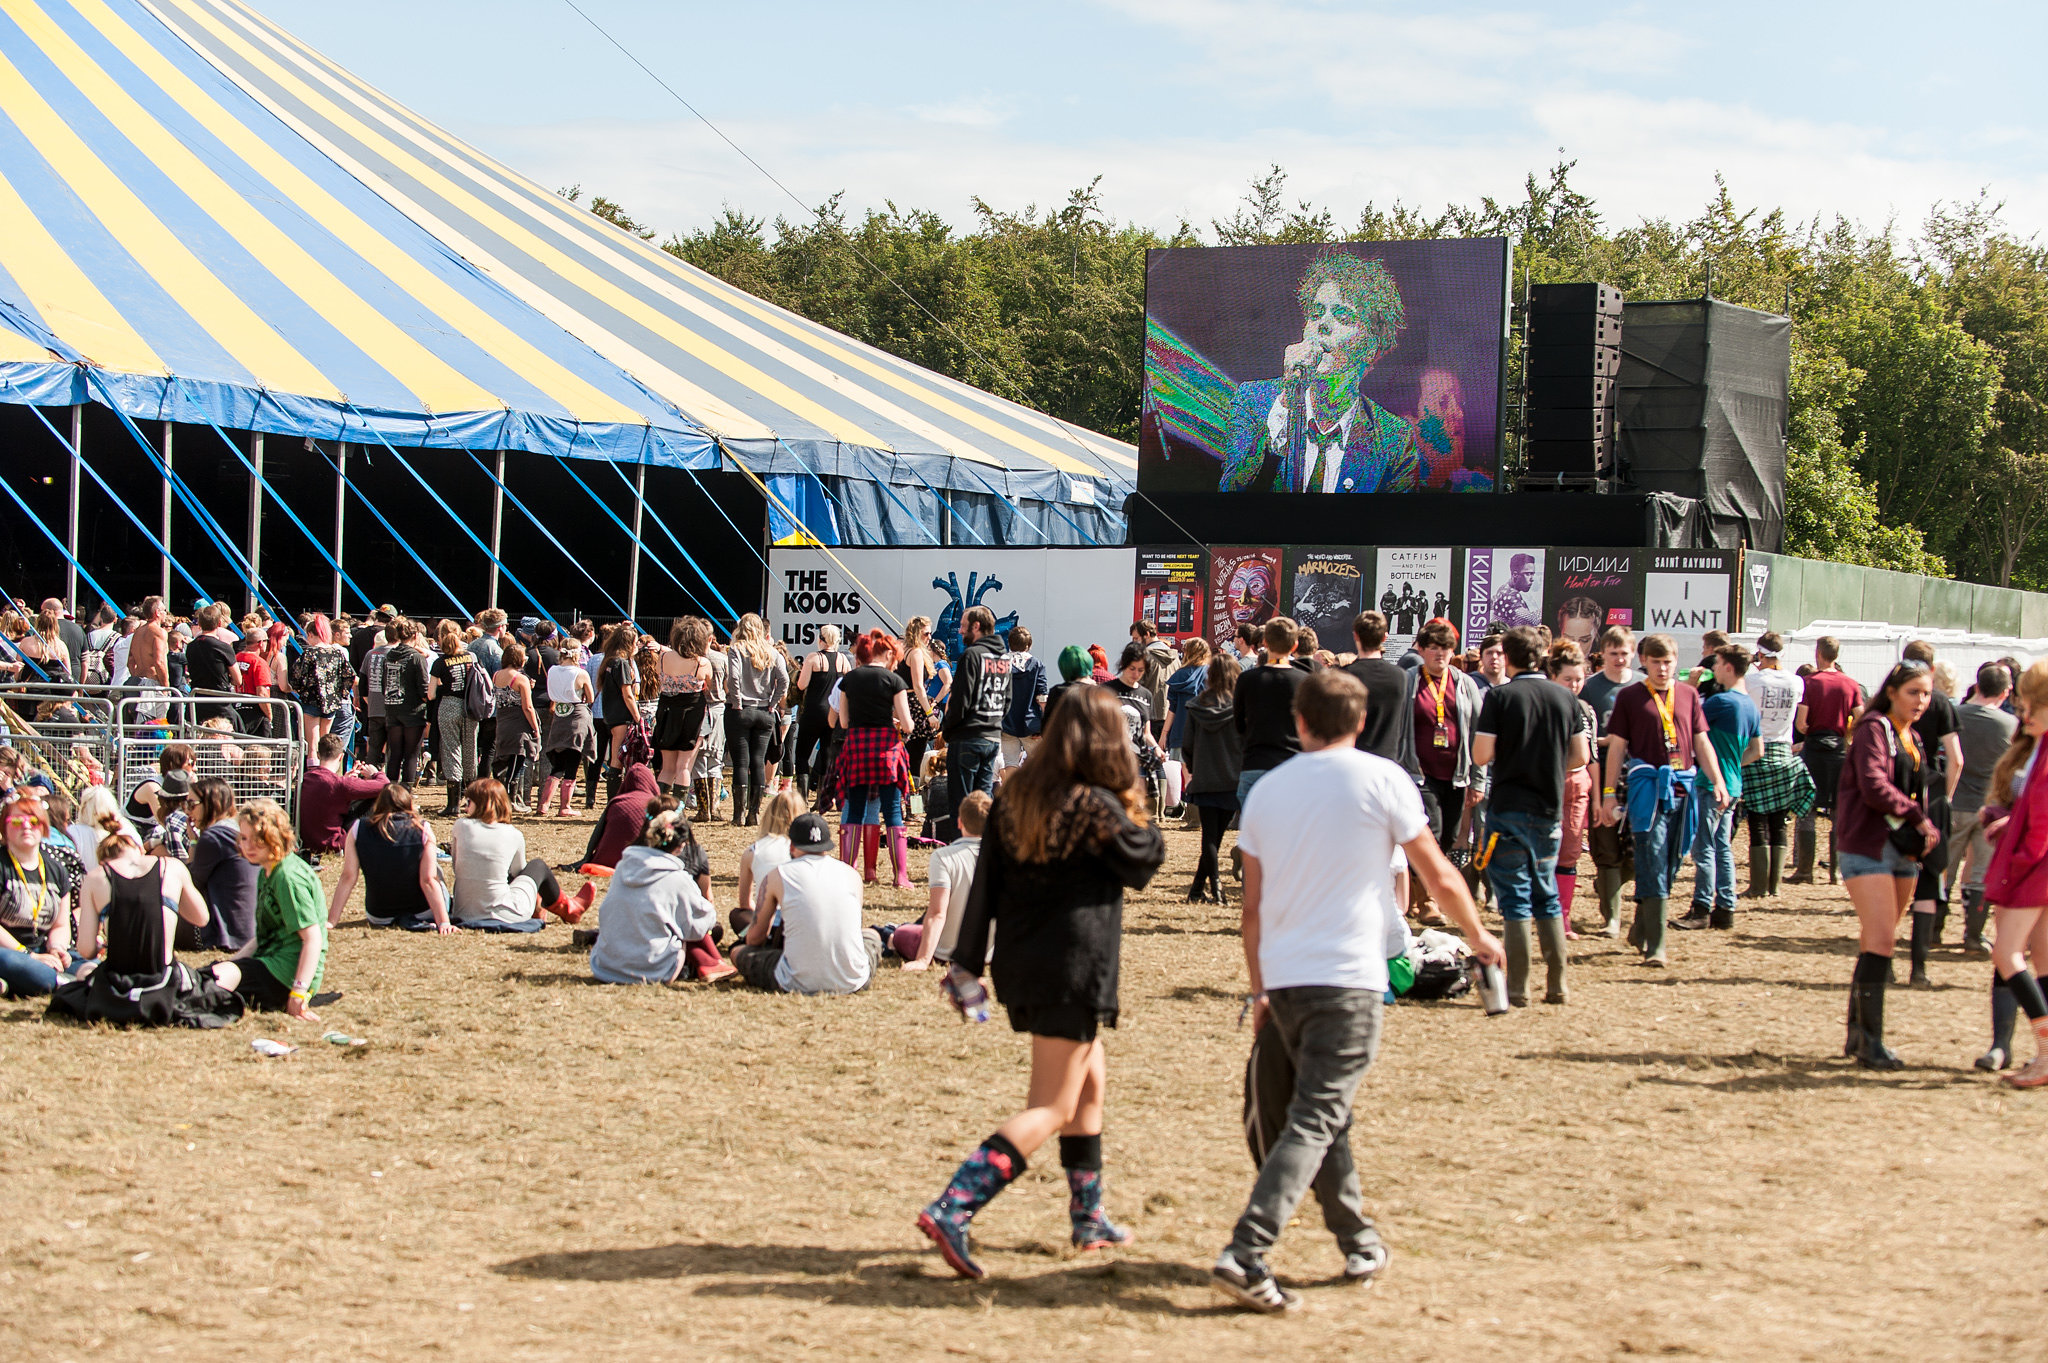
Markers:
point(394, 802)
point(1220, 683)
point(1084, 744)
point(2030, 693)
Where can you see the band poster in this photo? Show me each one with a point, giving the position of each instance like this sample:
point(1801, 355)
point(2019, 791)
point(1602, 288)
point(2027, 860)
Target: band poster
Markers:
point(1414, 588)
point(1328, 589)
point(1503, 589)
point(1244, 589)
point(1591, 589)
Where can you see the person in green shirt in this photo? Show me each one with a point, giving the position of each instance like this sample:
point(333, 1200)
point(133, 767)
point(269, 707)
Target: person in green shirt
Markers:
point(282, 965)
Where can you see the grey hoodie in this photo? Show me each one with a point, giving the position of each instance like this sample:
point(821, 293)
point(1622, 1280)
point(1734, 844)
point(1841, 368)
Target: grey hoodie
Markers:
point(653, 907)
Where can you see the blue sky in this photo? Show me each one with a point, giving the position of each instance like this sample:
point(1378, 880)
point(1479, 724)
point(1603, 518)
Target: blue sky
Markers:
point(1873, 111)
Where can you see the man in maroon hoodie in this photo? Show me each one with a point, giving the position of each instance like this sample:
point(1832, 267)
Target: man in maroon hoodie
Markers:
point(331, 800)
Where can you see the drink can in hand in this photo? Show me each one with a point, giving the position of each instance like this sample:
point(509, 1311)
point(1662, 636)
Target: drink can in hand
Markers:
point(1491, 983)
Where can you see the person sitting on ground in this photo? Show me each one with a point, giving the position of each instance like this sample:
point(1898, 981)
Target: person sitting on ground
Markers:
point(392, 851)
point(140, 807)
point(331, 800)
point(625, 815)
point(35, 901)
point(219, 870)
point(173, 833)
point(658, 927)
point(817, 898)
point(768, 851)
point(939, 825)
point(86, 827)
point(951, 876)
point(281, 967)
point(495, 880)
point(141, 899)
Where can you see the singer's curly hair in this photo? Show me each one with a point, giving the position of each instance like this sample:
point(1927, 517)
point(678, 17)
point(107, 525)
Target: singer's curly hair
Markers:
point(1367, 287)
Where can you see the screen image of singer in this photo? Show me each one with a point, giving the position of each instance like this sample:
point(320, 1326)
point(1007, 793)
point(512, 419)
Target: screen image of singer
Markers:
point(1353, 367)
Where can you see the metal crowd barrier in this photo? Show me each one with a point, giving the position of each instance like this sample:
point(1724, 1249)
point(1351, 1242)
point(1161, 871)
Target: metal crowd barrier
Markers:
point(124, 729)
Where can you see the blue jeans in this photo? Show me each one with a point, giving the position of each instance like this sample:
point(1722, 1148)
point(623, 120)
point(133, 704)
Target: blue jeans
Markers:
point(880, 806)
point(1523, 867)
point(345, 726)
point(24, 975)
point(1658, 853)
point(1246, 780)
point(1713, 855)
point(970, 766)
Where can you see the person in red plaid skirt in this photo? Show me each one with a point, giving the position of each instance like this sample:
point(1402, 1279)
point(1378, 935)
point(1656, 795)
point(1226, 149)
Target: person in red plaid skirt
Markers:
point(873, 776)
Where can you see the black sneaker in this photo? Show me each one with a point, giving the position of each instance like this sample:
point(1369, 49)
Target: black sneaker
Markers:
point(1252, 1287)
point(1694, 921)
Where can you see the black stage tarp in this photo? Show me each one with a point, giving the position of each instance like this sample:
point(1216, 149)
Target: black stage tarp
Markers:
point(1633, 520)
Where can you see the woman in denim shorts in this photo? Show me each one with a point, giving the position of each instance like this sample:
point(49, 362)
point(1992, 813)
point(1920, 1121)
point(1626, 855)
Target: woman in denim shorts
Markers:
point(1883, 830)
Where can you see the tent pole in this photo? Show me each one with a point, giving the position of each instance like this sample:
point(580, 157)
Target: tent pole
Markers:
point(163, 581)
point(633, 577)
point(255, 519)
point(497, 528)
point(71, 513)
point(340, 516)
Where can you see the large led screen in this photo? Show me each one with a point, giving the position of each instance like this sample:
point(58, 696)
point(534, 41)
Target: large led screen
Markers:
point(1361, 367)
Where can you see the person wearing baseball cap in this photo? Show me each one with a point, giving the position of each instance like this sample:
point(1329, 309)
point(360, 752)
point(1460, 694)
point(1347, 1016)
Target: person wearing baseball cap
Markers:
point(815, 899)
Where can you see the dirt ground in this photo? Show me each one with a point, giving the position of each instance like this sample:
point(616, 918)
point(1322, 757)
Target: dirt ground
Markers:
point(523, 1164)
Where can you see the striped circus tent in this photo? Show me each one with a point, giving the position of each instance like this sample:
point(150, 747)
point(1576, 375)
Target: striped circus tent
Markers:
point(202, 220)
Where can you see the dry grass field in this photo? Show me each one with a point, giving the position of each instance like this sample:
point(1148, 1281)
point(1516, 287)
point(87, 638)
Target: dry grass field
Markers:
point(522, 1164)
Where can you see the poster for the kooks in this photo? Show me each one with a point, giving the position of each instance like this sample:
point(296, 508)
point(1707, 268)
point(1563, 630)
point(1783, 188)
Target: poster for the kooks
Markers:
point(1169, 592)
point(1414, 588)
point(1244, 589)
point(1591, 589)
point(1327, 590)
point(1503, 589)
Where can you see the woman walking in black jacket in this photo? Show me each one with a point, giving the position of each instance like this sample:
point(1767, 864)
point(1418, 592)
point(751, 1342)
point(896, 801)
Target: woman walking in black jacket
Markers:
point(1066, 837)
point(1215, 752)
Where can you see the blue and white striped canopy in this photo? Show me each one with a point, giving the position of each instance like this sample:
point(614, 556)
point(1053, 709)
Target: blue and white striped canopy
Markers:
point(203, 219)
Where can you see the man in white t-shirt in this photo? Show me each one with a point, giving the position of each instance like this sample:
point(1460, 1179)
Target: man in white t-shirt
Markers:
point(825, 949)
point(952, 876)
point(1319, 834)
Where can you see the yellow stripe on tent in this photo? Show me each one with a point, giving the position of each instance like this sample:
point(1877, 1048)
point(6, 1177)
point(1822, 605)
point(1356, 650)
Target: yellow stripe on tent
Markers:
point(68, 301)
point(439, 386)
point(16, 348)
point(555, 260)
point(579, 398)
point(211, 303)
point(606, 239)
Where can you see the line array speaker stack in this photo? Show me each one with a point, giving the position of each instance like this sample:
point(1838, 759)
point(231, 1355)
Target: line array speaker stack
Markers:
point(1570, 363)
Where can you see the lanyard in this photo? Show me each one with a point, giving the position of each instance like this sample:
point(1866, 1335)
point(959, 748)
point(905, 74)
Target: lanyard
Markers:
point(1443, 686)
point(35, 908)
point(1664, 712)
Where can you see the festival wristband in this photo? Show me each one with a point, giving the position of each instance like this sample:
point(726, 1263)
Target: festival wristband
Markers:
point(302, 995)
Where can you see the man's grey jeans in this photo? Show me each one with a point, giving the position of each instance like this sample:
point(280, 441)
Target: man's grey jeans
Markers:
point(1331, 1036)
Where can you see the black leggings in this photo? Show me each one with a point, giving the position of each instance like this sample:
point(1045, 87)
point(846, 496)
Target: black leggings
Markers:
point(1214, 822)
point(1768, 829)
point(564, 762)
point(402, 744)
point(748, 731)
point(550, 889)
point(811, 736)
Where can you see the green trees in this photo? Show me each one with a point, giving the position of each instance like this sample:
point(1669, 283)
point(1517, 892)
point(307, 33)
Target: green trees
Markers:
point(1918, 436)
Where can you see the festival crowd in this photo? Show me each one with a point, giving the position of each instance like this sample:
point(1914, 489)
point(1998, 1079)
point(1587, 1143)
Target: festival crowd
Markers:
point(1376, 800)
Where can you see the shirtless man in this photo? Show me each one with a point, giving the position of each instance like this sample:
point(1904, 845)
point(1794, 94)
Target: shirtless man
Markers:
point(147, 651)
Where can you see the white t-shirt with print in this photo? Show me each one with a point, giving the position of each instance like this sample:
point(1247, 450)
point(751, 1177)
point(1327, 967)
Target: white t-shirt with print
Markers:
point(1777, 696)
point(1324, 826)
point(952, 870)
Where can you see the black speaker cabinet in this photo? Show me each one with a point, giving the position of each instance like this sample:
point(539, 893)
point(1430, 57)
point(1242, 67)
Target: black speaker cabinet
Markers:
point(1543, 360)
point(1574, 328)
point(1570, 390)
point(1571, 423)
point(1601, 298)
point(1569, 458)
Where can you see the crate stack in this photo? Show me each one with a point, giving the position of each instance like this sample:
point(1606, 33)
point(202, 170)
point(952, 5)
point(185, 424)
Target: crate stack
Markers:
point(1571, 360)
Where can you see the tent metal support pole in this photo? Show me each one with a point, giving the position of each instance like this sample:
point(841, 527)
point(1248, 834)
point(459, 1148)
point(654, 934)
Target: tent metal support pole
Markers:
point(340, 516)
point(71, 513)
point(497, 528)
point(633, 576)
point(255, 520)
point(163, 581)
